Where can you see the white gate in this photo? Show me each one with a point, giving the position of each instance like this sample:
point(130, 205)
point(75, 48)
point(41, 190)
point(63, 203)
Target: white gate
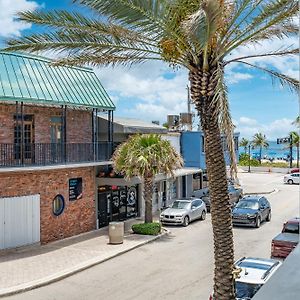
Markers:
point(19, 221)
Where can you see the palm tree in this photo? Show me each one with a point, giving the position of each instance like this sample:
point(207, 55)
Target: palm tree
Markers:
point(199, 35)
point(244, 143)
point(259, 140)
point(146, 156)
point(296, 143)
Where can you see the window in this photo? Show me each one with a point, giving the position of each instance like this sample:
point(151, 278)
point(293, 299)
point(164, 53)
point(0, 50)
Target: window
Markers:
point(291, 228)
point(196, 203)
point(58, 205)
point(203, 145)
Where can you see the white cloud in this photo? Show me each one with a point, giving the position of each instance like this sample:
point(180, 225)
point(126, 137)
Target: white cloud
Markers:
point(152, 94)
point(9, 26)
point(278, 128)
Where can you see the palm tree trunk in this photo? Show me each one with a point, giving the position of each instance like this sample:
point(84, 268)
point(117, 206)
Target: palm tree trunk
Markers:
point(148, 188)
point(220, 207)
point(260, 152)
point(298, 155)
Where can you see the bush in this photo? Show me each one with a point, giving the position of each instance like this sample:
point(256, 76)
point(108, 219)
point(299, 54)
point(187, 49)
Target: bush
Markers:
point(245, 162)
point(146, 228)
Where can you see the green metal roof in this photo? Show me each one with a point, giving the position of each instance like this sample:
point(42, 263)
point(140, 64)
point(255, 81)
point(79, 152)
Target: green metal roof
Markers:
point(33, 80)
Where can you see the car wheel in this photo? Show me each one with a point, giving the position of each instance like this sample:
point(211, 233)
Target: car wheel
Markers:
point(203, 215)
point(290, 181)
point(186, 221)
point(268, 219)
point(257, 223)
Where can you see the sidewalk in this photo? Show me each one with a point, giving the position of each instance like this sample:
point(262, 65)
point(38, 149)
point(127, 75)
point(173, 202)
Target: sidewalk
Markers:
point(31, 267)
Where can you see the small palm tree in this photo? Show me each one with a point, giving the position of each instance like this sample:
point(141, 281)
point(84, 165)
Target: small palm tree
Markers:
point(244, 143)
point(198, 35)
point(259, 140)
point(146, 156)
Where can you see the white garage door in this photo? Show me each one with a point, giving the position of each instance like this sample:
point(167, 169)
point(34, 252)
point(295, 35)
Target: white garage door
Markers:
point(19, 221)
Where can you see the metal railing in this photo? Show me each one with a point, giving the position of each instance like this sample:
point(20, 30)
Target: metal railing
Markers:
point(43, 154)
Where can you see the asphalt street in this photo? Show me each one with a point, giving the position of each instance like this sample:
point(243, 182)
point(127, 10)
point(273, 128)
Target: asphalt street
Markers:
point(179, 266)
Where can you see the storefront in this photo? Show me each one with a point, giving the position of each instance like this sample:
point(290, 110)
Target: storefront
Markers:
point(117, 203)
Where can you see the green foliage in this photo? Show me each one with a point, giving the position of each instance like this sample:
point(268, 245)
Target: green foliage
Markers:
point(147, 228)
point(253, 162)
point(244, 156)
point(145, 156)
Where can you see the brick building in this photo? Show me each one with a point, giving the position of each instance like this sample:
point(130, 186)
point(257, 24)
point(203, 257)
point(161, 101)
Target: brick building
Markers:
point(49, 149)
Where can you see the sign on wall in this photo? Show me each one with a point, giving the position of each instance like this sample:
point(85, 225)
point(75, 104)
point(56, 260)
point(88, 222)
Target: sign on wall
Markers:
point(75, 188)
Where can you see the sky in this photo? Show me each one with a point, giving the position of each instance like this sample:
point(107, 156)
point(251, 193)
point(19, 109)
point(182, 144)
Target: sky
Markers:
point(151, 91)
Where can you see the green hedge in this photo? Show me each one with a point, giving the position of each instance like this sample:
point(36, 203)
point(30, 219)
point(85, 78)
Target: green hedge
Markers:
point(146, 228)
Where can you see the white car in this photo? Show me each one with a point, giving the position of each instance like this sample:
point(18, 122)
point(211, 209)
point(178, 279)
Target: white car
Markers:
point(254, 273)
point(292, 178)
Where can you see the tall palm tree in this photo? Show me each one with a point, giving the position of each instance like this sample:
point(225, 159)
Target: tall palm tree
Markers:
point(199, 35)
point(244, 143)
point(260, 141)
point(146, 156)
point(296, 143)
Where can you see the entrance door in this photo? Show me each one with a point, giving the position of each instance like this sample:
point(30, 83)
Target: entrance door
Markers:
point(19, 221)
point(24, 152)
point(103, 209)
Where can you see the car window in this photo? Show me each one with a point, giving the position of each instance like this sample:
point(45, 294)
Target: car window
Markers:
point(246, 290)
point(196, 203)
point(252, 204)
point(180, 204)
point(231, 188)
point(291, 228)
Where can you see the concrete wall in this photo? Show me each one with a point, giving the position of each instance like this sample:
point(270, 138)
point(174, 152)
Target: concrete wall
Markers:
point(78, 215)
point(266, 169)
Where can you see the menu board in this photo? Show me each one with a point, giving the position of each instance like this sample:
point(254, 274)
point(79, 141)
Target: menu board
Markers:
point(75, 188)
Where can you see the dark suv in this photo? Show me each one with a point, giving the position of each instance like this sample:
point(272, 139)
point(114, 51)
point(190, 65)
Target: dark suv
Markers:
point(251, 211)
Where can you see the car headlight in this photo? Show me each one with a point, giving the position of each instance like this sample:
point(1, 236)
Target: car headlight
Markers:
point(250, 216)
point(162, 215)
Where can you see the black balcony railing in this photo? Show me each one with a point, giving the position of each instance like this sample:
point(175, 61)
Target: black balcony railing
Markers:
point(41, 154)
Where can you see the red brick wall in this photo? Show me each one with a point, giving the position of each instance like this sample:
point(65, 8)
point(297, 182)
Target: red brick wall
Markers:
point(77, 217)
point(79, 123)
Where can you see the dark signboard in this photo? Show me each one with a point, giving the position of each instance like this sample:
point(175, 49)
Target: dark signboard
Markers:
point(75, 188)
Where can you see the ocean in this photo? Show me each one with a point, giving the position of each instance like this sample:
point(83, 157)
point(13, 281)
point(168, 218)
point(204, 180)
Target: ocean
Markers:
point(274, 151)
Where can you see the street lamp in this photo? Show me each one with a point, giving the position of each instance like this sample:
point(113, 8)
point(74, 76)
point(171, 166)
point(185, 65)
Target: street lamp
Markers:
point(249, 157)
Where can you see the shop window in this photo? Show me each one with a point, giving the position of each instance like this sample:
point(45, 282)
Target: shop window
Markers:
point(197, 181)
point(58, 205)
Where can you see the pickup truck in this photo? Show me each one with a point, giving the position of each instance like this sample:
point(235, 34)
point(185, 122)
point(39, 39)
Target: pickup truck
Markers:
point(284, 243)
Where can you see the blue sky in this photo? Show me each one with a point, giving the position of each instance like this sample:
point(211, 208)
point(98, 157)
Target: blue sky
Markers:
point(151, 91)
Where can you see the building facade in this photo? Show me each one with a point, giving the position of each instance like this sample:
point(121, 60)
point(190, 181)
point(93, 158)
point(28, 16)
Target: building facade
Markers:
point(49, 149)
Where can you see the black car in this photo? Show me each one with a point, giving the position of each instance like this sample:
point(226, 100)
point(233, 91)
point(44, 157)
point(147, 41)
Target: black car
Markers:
point(251, 211)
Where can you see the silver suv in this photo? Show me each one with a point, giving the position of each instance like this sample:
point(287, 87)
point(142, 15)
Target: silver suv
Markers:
point(183, 211)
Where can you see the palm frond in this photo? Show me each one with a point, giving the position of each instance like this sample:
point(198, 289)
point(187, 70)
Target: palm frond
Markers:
point(285, 52)
point(135, 14)
point(272, 14)
point(284, 80)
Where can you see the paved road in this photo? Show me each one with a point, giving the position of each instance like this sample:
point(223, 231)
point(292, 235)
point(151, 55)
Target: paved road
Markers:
point(175, 267)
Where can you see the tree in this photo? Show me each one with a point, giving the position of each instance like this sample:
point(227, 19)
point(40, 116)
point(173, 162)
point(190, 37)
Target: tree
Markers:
point(259, 140)
point(199, 35)
point(244, 143)
point(146, 156)
point(296, 143)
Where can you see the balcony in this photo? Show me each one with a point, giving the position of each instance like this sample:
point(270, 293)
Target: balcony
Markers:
point(48, 154)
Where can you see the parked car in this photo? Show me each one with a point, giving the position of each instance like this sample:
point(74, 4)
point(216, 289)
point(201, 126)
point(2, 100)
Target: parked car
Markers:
point(284, 243)
point(255, 272)
point(184, 211)
point(251, 211)
point(235, 194)
point(295, 170)
point(292, 178)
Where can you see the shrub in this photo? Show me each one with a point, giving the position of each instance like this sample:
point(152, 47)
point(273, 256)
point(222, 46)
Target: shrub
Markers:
point(245, 162)
point(146, 228)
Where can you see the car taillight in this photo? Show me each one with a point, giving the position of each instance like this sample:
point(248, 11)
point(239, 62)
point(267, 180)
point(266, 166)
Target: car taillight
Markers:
point(210, 297)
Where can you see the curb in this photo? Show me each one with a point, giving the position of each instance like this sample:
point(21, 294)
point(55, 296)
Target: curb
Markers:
point(69, 272)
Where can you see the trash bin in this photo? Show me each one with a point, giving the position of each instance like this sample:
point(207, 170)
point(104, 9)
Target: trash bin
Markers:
point(116, 232)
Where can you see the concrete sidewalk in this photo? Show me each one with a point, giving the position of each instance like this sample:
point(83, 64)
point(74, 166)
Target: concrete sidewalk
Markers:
point(35, 266)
